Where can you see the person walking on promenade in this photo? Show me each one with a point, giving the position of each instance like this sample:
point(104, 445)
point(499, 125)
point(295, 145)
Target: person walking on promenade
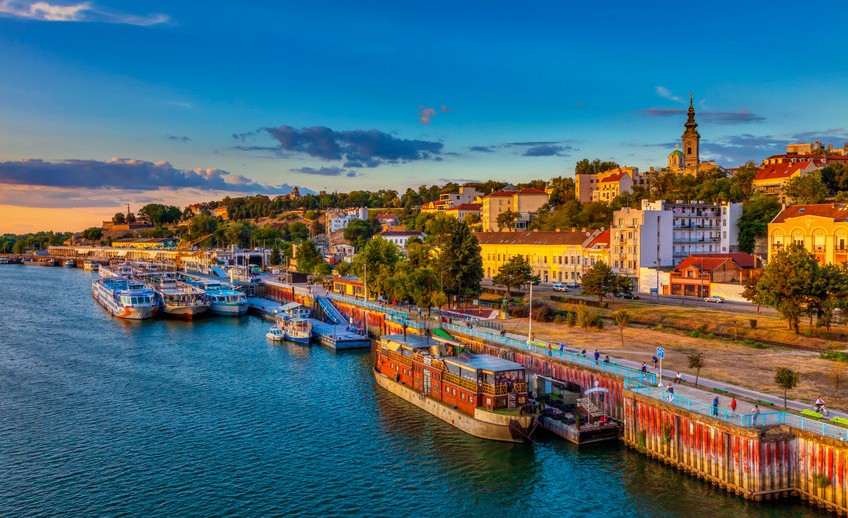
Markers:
point(715, 406)
point(670, 391)
point(733, 405)
point(597, 356)
point(755, 414)
point(655, 360)
point(644, 368)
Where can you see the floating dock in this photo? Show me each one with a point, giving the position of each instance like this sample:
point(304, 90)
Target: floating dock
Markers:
point(584, 434)
point(263, 307)
point(338, 336)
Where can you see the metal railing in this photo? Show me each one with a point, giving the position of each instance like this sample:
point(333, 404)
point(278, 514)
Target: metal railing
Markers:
point(541, 347)
point(394, 315)
point(748, 420)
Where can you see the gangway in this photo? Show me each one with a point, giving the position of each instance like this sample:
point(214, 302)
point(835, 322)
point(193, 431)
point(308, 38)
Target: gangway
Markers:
point(331, 311)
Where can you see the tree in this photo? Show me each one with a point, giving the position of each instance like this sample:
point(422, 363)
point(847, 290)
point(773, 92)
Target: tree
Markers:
point(696, 361)
point(239, 233)
point(160, 214)
point(788, 282)
point(807, 188)
point(513, 274)
point(507, 219)
point(202, 224)
point(622, 318)
point(757, 212)
point(380, 259)
point(458, 262)
point(276, 257)
point(786, 379)
point(358, 231)
point(600, 280)
point(119, 218)
point(595, 166)
point(585, 317)
point(92, 233)
point(308, 257)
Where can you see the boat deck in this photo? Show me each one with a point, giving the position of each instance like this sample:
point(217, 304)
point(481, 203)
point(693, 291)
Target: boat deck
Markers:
point(338, 336)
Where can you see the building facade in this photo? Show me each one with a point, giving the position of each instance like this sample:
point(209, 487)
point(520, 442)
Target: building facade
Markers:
point(526, 202)
point(400, 237)
point(340, 219)
point(822, 229)
point(553, 256)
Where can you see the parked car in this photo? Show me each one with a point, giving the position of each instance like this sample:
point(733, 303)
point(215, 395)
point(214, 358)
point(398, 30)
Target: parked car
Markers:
point(628, 295)
point(558, 286)
point(572, 285)
point(714, 298)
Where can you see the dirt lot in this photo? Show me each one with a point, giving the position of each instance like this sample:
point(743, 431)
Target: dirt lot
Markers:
point(728, 361)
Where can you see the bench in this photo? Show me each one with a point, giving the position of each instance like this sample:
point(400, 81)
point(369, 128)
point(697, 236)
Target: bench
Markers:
point(764, 402)
point(722, 391)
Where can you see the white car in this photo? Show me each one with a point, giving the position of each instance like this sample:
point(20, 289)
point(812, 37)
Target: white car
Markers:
point(714, 298)
point(558, 286)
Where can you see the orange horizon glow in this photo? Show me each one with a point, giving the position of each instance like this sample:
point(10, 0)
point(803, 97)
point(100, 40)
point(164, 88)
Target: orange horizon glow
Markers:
point(23, 220)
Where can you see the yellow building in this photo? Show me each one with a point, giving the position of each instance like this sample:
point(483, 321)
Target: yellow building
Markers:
point(553, 256)
point(606, 185)
point(821, 228)
point(165, 242)
point(526, 202)
point(774, 173)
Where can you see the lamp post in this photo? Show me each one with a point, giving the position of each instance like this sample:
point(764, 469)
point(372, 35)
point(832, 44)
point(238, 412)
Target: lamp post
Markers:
point(530, 318)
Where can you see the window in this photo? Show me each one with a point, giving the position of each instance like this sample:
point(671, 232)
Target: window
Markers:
point(462, 396)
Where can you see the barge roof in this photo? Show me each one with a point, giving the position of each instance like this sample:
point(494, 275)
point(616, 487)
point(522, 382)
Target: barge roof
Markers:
point(484, 362)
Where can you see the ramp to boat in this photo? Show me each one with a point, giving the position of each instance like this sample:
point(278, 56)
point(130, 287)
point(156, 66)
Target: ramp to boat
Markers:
point(217, 271)
point(441, 333)
point(331, 312)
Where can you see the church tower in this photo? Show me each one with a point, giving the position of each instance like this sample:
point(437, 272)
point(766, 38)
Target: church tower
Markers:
point(691, 139)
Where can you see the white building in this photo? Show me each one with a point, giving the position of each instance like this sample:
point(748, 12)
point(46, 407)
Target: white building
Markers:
point(663, 234)
point(400, 237)
point(339, 219)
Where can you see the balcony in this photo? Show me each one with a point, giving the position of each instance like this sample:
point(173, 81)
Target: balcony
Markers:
point(460, 382)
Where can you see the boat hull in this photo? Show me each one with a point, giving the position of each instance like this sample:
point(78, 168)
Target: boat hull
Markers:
point(184, 312)
point(298, 339)
point(228, 310)
point(509, 429)
point(106, 300)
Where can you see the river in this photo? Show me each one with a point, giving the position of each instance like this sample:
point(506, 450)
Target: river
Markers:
point(104, 417)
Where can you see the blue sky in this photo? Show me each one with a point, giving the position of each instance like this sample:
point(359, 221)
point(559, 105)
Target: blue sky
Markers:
point(199, 99)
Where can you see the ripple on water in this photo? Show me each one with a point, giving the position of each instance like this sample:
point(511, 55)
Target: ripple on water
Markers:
point(100, 416)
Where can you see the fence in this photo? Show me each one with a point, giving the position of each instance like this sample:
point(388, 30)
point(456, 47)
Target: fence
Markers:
point(394, 315)
point(743, 420)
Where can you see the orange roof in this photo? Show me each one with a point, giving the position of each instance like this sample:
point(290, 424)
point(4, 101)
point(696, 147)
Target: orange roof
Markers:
point(614, 177)
point(702, 263)
point(466, 206)
point(530, 238)
point(513, 193)
point(745, 261)
point(781, 170)
point(602, 240)
point(834, 211)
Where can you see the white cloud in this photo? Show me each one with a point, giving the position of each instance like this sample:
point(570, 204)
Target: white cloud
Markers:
point(75, 12)
point(667, 94)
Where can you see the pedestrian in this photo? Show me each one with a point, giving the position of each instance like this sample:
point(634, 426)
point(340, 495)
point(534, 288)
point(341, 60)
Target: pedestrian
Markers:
point(606, 358)
point(644, 368)
point(679, 378)
point(755, 413)
point(670, 391)
point(597, 355)
point(733, 405)
point(655, 360)
point(561, 347)
point(549, 348)
point(715, 406)
point(583, 352)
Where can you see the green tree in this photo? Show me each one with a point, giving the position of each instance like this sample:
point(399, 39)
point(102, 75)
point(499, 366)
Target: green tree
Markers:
point(358, 231)
point(202, 224)
point(92, 233)
point(458, 261)
point(119, 218)
point(513, 273)
point(787, 283)
point(595, 166)
point(600, 280)
point(757, 212)
point(378, 260)
point(585, 317)
point(507, 219)
point(622, 319)
point(808, 188)
point(308, 257)
point(276, 257)
point(239, 233)
point(786, 379)
point(742, 182)
point(696, 361)
point(159, 214)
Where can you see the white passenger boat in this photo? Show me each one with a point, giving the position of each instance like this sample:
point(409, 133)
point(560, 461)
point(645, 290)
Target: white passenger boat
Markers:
point(225, 299)
point(275, 334)
point(70, 263)
point(4, 260)
point(90, 266)
point(116, 270)
point(125, 298)
point(178, 299)
point(298, 330)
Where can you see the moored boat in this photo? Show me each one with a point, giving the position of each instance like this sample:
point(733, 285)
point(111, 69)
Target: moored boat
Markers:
point(70, 263)
point(482, 395)
point(225, 300)
point(4, 260)
point(298, 330)
point(178, 299)
point(275, 334)
point(90, 266)
point(125, 298)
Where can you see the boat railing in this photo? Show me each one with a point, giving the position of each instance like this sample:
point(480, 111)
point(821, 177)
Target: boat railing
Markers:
point(460, 381)
point(399, 358)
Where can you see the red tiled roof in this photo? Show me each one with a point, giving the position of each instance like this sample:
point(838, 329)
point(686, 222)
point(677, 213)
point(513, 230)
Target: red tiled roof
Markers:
point(513, 193)
point(600, 240)
point(781, 170)
point(702, 263)
point(530, 238)
point(466, 206)
point(834, 211)
point(745, 261)
point(614, 177)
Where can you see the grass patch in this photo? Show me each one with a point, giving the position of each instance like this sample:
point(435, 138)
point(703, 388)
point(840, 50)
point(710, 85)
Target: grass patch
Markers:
point(811, 413)
point(834, 355)
point(755, 344)
point(840, 420)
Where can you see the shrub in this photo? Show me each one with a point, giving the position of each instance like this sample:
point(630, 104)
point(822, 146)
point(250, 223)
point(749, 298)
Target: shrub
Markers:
point(571, 319)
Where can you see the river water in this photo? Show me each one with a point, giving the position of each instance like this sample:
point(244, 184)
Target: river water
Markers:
point(104, 417)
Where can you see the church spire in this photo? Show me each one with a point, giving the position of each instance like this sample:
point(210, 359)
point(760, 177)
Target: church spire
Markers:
point(691, 139)
point(691, 124)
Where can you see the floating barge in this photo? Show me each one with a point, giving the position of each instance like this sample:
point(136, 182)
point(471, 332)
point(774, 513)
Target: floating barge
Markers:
point(482, 395)
point(338, 336)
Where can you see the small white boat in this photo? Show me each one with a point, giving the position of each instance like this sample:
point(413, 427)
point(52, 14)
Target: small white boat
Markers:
point(90, 266)
point(70, 263)
point(4, 260)
point(275, 334)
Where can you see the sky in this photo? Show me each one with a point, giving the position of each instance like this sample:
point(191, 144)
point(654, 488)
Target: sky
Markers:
point(109, 102)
